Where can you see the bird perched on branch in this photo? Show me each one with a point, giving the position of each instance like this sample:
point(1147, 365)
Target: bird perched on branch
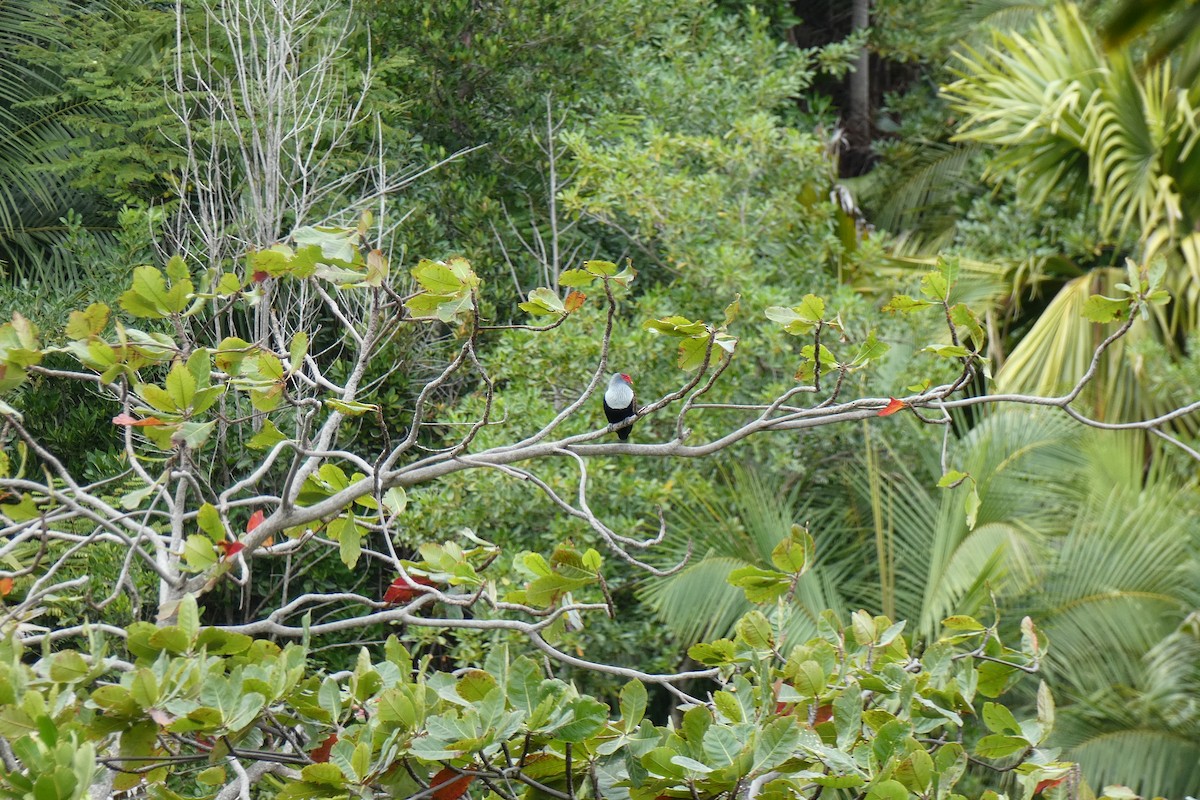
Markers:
point(619, 402)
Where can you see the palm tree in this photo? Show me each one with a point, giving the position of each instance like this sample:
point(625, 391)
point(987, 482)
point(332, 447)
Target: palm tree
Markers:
point(1069, 531)
point(1080, 127)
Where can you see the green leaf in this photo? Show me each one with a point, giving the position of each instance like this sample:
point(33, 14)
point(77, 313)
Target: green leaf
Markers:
point(888, 790)
point(999, 719)
point(543, 302)
point(935, 286)
point(692, 352)
point(189, 617)
point(847, 716)
point(794, 554)
point(961, 622)
point(732, 310)
point(436, 278)
point(349, 537)
point(904, 304)
point(713, 654)
point(212, 776)
point(351, 408)
point(297, 350)
point(863, 627)
point(869, 350)
point(759, 585)
point(600, 268)
point(267, 437)
point(1101, 309)
point(89, 322)
point(395, 500)
point(948, 350)
point(775, 743)
point(995, 746)
point(632, 705)
point(194, 434)
point(951, 479)
point(209, 520)
point(971, 505)
point(575, 278)
point(755, 630)
point(68, 666)
point(1045, 708)
point(964, 317)
point(809, 679)
point(677, 326)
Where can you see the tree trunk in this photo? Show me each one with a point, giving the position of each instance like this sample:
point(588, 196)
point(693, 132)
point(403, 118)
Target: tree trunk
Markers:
point(858, 111)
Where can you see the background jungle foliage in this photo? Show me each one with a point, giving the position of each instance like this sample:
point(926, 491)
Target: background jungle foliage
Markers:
point(1039, 144)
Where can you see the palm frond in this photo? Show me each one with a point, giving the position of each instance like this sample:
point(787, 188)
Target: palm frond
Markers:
point(1150, 760)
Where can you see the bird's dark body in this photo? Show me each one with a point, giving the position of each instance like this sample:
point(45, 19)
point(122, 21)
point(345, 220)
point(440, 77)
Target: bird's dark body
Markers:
point(615, 415)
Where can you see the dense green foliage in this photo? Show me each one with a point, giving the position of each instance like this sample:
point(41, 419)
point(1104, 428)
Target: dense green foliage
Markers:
point(1036, 158)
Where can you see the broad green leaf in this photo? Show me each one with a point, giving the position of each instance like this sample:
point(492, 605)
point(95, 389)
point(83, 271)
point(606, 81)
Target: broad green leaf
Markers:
point(1101, 309)
point(632, 705)
point(267, 437)
point(89, 322)
point(904, 304)
point(575, 278)
point(794, 553)
point(712, 654)
point(995, 746)
point(600, 268)
point(692, 352)
point(961, 622)
point(999, 719)
point(755, 630)
point(68, 666)
point(351, 408)
point(951, 479)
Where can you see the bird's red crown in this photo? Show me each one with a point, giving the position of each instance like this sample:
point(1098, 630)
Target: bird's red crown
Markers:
point(627, 379)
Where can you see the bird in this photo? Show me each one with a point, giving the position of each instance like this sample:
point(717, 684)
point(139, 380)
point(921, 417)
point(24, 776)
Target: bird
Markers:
point(619, 402)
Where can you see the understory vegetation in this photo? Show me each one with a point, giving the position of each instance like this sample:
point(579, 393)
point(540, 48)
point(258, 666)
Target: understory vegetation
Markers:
point(308, 309)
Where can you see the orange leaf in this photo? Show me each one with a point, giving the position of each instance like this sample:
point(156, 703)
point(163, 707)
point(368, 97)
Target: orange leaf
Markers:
point(230, 549)
point(1048, 784)
point(320, 754)
point(256, 519)
point(892, 407)
point(133, 422)
point(6, 587)
point(402, 590)
point(449, 784)
point(574, 300)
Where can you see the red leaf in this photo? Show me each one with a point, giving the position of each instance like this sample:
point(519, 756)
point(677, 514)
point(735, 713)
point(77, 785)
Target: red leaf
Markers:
point(449, 784)
point(133, 422)
point(320, 754)
point(574, 301)
point(230, 549)
point(824, 714)
point(402, 590)
point(256, 519)
point(892, 407)
point(6, 587)
point(260, 276)
point(1048, 784)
